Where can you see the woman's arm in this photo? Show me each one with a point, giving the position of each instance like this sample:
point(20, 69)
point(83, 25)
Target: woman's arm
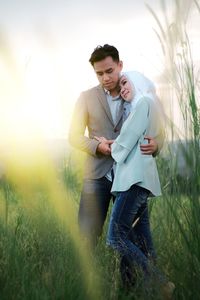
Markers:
point(132, 129)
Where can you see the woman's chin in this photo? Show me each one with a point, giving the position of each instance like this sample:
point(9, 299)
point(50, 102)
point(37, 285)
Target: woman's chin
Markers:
point(127, 99)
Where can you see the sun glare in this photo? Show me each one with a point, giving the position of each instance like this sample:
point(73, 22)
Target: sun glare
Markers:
point(41, 81)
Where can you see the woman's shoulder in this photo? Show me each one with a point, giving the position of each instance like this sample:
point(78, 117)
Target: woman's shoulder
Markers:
point(146, 100)
point(143, 101)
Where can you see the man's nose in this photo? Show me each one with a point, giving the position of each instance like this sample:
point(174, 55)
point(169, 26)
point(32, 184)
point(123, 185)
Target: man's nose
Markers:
point(105, 77)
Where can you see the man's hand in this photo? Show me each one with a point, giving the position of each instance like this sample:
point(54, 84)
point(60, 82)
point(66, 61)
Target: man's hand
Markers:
point(104, 146)
point(150, 148)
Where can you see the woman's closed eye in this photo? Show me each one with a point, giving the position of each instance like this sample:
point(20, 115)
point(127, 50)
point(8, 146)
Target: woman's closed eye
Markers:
point(123, 82)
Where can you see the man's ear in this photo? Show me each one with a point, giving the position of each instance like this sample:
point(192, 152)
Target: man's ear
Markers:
point(121, 64)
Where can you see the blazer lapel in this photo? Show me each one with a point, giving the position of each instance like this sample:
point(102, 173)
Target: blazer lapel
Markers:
point(103, 100)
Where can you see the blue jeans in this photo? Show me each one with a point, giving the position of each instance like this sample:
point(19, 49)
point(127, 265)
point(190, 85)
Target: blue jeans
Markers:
point(129, 206)
point(94, 203)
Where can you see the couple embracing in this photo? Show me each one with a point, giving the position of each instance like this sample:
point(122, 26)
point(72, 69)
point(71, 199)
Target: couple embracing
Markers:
point(124, 121)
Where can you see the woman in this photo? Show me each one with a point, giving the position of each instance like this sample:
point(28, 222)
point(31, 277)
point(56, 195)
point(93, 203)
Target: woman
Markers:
point(135, 175)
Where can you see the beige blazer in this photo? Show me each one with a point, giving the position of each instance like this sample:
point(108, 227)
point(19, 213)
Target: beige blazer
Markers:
point(132, 167)
point(92, 112)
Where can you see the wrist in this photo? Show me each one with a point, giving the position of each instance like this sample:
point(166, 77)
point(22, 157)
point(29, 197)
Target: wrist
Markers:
point(98, 149)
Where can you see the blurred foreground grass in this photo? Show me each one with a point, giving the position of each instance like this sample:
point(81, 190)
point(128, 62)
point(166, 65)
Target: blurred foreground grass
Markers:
point(43, 257)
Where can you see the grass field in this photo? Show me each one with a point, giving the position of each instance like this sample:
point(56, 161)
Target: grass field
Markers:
point(43, 257)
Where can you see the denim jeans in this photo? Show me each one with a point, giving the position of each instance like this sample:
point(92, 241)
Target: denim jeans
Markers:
point(128, 206)
point(94, 203)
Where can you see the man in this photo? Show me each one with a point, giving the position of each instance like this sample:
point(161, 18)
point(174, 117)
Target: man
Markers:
point(100, 110)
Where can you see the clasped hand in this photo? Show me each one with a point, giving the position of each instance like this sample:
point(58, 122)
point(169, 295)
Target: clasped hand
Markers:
point(104, 145)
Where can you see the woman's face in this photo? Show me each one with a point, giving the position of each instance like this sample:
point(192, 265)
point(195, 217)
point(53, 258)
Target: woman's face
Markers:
point(126, 89)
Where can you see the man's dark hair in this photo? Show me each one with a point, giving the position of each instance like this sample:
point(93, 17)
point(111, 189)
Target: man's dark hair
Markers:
point(101, 52)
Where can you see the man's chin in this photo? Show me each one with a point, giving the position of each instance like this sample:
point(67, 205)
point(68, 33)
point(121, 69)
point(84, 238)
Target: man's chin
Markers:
point(109, 87)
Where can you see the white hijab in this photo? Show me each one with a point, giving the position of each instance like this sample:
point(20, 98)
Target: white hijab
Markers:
point(141, 85)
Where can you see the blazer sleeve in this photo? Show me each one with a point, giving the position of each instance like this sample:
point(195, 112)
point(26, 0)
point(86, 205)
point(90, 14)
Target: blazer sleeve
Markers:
point(132, 129)
point(77, 137)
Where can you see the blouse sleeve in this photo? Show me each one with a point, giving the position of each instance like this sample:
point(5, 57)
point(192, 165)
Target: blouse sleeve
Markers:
point(132, 129)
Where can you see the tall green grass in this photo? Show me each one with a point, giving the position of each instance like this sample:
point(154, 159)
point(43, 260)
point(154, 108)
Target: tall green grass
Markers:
point(39, 258)
point(181, 201)
point(42, 255)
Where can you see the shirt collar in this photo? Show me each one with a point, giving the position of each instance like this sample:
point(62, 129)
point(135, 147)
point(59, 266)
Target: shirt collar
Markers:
point(113, 98)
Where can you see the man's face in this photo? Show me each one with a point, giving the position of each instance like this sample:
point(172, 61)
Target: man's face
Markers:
point(108, 72)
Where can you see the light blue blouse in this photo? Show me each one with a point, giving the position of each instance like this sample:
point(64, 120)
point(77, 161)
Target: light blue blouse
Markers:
point(133, 167)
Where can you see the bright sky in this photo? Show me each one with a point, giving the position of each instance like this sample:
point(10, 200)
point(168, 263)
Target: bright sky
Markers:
point(44, 50)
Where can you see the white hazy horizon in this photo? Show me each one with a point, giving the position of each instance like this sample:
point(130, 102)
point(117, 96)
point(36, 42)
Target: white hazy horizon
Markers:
point(44, 52)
